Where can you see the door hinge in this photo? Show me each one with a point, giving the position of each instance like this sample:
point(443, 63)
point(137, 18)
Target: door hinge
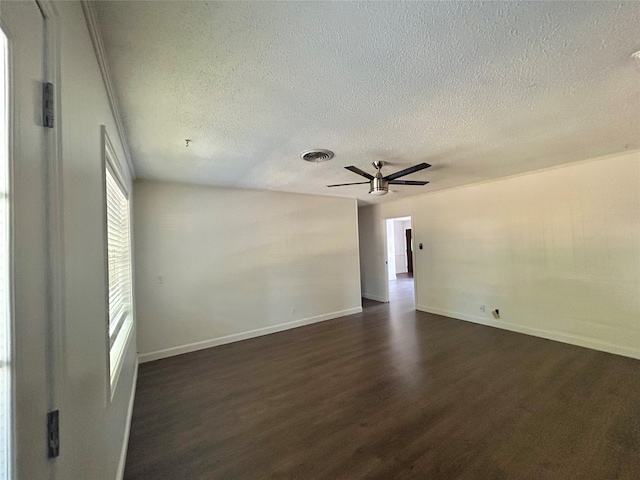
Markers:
point(53, 433)
point(47, 105)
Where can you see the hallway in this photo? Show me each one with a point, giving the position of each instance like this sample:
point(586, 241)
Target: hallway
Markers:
point(402, 288)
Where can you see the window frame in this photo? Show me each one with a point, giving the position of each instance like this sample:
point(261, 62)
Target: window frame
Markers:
point(9, 276)
point(116, 349)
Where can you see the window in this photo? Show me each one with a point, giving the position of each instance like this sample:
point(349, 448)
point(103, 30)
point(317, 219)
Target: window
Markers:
point(119, 266)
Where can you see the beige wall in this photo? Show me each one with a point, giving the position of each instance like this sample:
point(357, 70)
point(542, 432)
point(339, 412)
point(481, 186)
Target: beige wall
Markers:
point(556, 251)
point(92, 426)
point(215, 265)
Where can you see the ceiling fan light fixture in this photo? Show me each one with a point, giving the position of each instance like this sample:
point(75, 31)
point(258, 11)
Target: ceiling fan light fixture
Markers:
point(378, 186)
point(378, 193)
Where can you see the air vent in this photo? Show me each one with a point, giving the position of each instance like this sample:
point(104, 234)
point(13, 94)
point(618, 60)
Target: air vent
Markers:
point(317, 155)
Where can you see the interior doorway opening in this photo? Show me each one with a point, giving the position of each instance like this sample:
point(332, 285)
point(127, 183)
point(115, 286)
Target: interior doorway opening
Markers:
point(400, 259)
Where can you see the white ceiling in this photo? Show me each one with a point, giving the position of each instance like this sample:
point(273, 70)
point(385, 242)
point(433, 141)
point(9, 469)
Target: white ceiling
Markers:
point(479, 90)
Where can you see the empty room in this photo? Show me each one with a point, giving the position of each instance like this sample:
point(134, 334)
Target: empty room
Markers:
point(319, 240)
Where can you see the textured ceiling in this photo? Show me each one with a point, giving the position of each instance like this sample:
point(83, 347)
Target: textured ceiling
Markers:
point(479, 90)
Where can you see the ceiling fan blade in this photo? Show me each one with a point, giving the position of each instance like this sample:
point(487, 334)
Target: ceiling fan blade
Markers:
point(407, 171)
point(406, 182)
point(359, 172)
point(345, 184)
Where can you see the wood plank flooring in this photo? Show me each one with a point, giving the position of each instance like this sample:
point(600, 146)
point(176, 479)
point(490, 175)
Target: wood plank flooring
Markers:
point(388, 394)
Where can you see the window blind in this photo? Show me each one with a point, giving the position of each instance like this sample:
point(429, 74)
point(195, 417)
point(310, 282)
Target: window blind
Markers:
point(119, 257)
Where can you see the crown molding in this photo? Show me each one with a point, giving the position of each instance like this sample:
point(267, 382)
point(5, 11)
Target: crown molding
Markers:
point(98, 46)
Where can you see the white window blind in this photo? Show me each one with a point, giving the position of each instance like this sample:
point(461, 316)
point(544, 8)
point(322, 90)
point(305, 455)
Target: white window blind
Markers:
point(119, 264)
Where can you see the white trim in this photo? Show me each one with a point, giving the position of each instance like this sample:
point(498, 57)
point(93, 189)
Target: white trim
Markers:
point(385, 258)
point(121, 346)
point(98, 46)
point(9, 218)
point(413, 257)
point(236, 337)
point(56, 366)
point(112, 162)
point(415, 274)
point(127, 428)
point(537, 332)
point(377, 298)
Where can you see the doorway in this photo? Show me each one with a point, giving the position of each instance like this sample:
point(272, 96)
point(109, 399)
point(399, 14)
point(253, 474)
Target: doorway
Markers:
point(399, 240)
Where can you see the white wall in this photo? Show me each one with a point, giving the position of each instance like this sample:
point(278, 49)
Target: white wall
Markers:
point(92, 427)
point(556, 251)
point(215, 265)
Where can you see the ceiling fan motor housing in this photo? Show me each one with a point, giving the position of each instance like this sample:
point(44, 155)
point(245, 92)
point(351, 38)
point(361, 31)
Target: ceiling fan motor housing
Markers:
point(379, 185)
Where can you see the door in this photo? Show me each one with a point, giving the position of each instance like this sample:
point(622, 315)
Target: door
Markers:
point(407, 233)
point(23, 240)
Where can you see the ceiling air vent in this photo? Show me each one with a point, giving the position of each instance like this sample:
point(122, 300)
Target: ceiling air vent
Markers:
point(317, 155)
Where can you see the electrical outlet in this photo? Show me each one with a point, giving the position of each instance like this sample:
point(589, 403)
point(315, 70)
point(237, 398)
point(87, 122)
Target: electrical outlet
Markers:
point(482, 308)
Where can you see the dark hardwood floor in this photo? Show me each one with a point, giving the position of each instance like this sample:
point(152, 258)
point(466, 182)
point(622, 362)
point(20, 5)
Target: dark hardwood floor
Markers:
point(389, 394)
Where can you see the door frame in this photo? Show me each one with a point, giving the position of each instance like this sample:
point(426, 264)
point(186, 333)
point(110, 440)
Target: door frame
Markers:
point(408, 240)
point(54, 210)
point(385, 259)
point(49, 205)
point(53, 319)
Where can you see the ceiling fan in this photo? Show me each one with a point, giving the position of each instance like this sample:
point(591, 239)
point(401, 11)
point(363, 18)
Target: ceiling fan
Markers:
point(379, 185)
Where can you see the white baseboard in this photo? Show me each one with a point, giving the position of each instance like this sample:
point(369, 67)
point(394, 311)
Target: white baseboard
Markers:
point(377, 298)
point(127, 428)
point(236, 337)
point(537, 332)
